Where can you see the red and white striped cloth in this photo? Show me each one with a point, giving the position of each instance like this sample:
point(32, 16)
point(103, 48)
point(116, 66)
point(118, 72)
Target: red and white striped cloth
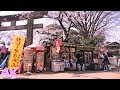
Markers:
point(58, 44)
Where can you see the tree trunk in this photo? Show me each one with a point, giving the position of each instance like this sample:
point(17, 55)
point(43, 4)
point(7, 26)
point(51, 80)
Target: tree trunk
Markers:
point(66, 39)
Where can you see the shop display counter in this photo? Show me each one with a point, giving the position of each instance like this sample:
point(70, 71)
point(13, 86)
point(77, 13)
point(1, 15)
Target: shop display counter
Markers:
point(57, 66)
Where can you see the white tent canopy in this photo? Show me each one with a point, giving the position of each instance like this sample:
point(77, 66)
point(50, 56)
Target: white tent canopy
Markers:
point(38, 47)
point(32, 46)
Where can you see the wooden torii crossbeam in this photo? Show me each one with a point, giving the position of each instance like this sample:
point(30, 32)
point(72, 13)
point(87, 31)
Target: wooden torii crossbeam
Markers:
point(29, 26)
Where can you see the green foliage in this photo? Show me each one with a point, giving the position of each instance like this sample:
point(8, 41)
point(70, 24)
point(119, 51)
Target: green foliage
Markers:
point(93, 41)
point(75, 37)
point(2, 42)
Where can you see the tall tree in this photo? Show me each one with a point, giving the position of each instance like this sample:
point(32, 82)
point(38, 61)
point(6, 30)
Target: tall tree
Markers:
point(90, 24)
point(64, 22)
point(48, 34)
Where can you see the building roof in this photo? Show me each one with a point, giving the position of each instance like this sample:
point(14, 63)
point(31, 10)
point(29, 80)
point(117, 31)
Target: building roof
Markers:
point(114, 44)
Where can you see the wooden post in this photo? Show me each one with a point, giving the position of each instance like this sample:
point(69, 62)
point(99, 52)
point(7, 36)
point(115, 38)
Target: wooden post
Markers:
point(0, 24)
point(13, 23)
point(29, 31)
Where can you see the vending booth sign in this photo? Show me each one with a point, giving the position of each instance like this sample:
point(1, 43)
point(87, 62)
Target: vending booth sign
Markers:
point(16, 52)
point(40, 61)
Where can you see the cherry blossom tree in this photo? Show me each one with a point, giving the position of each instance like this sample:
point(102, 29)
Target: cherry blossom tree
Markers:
point(90, 24)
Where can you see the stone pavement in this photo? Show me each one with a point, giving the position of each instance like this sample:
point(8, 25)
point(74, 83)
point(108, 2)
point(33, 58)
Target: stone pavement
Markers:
point(73, 75)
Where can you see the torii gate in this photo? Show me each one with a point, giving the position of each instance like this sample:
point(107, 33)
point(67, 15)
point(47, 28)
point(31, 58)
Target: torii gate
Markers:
point(29, 26)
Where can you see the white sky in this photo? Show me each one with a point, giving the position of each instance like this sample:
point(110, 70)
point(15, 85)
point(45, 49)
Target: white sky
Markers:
point(2, 13)
point(45, 21)
point(115, 36)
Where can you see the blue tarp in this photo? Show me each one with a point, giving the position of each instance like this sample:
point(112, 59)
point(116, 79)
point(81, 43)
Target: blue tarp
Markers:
point(4, 63)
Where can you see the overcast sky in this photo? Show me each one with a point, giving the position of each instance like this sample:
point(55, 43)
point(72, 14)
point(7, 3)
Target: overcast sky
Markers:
point(113, 35)
point(45, 21)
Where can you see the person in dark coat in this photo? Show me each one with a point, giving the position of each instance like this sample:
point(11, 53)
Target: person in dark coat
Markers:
point(105, 62)
point(80, 61)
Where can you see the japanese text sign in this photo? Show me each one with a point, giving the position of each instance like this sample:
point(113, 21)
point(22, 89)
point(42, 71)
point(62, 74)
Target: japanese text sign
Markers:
point(16, 52)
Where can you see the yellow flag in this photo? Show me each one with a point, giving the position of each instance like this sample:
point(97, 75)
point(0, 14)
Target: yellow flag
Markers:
point(16, 52)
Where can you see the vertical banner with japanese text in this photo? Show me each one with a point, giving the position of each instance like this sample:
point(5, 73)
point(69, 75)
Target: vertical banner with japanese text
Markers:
point(16, 52)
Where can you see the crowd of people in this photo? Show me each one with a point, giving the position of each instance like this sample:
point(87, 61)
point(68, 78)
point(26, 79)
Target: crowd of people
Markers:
point(78, 63)
point(74, 63)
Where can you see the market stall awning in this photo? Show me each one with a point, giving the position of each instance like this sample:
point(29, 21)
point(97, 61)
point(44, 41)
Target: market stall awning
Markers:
point(32, 46)
point(38, 47)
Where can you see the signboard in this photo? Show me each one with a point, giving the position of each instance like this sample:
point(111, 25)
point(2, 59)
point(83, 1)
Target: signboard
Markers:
point(67, 50)
point(72, 49)
point(113, 60)
point(40, 60)
point(54, 51)
point(16, 52)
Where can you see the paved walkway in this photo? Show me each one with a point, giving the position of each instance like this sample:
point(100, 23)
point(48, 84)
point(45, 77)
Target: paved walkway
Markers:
point(73, 75)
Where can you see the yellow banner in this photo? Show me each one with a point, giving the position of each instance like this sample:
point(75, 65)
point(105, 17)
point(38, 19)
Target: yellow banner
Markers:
point(16, 52)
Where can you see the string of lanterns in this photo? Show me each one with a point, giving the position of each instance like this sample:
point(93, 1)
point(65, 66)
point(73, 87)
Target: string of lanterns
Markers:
point(96, 48)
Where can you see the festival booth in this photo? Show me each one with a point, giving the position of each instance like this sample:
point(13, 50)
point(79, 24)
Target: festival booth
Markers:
point(70, 51)
point(89, 53)
point(90, 56)
point(59, 54)
point(33, 59)
point(57, 63)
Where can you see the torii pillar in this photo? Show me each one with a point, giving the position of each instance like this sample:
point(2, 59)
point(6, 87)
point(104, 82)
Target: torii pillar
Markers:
point(29, 38)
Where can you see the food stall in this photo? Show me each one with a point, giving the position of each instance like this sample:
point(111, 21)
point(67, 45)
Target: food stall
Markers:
point(57, 59)
point(33, 59)
point(90, 54)
point(57, 63)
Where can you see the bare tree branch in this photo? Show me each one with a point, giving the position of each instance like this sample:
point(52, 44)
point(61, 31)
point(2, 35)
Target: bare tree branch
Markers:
point(88, 23)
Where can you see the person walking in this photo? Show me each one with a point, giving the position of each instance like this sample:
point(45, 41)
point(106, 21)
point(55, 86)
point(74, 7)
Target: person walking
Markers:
point(101, 60)
point(80, 61)
point(105, 62)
